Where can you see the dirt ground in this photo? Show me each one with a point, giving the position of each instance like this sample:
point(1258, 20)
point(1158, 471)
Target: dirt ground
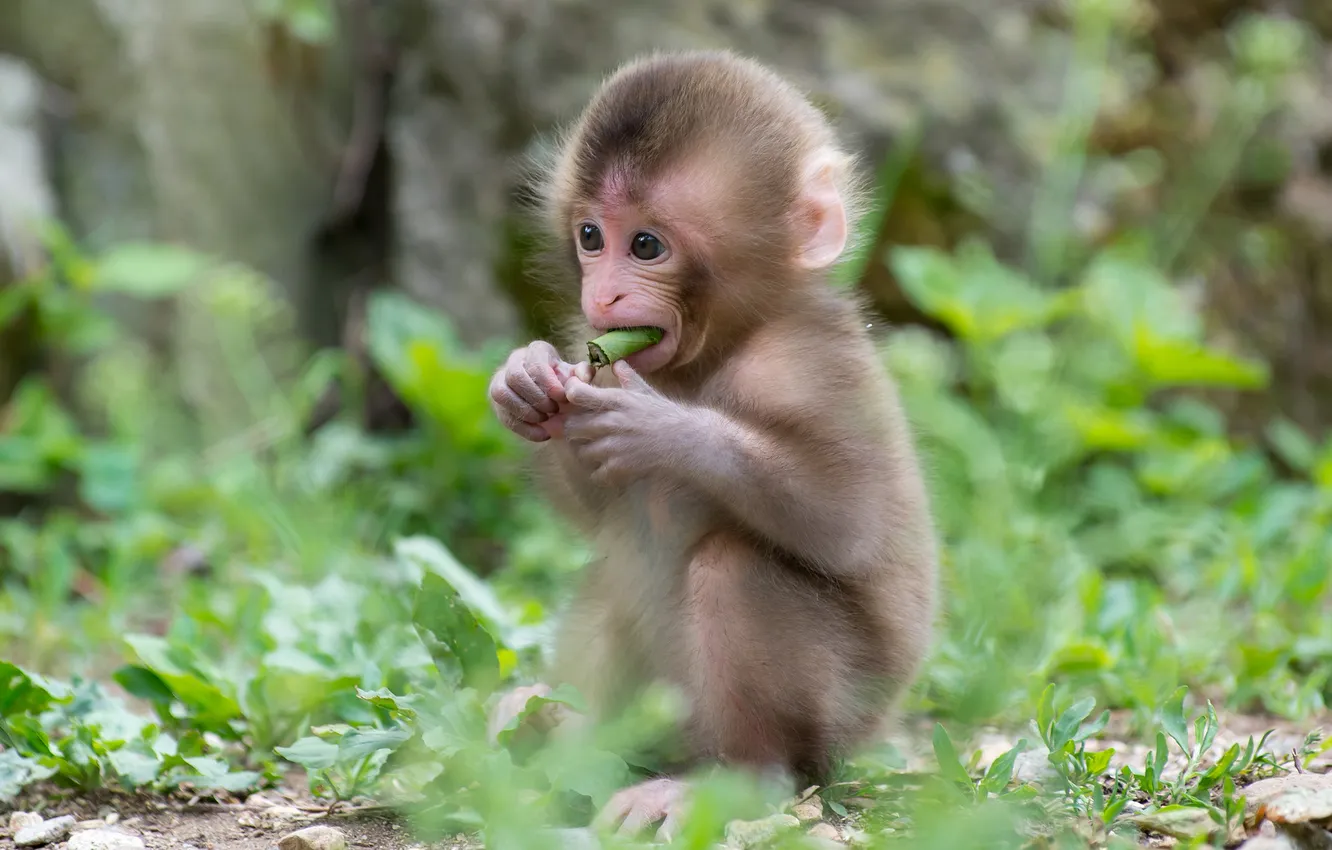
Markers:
point(257, 824)
point(262, 820)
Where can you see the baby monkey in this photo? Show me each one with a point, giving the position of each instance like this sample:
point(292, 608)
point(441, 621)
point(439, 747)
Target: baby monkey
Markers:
point(763, 535)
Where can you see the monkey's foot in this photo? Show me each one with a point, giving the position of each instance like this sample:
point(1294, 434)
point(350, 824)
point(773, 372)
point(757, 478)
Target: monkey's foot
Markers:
point(644, 804)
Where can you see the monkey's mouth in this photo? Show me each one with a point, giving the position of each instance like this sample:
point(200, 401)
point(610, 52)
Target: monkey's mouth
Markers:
point(621, 342)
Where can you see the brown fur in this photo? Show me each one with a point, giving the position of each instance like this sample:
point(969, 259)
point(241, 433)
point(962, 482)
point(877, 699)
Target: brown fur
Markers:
point(791, 618)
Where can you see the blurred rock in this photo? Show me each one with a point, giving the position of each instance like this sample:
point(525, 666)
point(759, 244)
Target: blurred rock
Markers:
point(825, 831)
point(104, 839)
point(1294, 798)
point(43, 833)
point(743, 834)
point(809, 810)
point(271, 817)
point(315, 838)
point(19, 820)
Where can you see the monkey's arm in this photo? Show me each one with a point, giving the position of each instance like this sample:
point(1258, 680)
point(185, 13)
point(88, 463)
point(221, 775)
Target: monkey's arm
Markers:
point(819, 489)
point(814, 494)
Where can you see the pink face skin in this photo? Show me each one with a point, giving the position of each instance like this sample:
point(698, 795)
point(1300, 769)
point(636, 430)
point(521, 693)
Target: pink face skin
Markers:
point(630, 266)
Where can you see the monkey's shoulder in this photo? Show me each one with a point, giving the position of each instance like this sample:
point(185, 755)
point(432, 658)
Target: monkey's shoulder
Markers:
point(795, 370)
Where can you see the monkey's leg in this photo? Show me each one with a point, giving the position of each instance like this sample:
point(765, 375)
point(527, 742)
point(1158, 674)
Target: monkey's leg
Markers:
point(766, 680)
point(769, 656)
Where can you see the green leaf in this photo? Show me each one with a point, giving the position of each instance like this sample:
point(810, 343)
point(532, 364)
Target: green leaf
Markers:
point(143, 683)
point(1069, 721)
point(22, 692)
point(565, 694)
point(1174, 363)
point(1098, 762)
point(235, 781)
point(1292, 444)
point(359, 743)
point(591, 772)
point(460, 723)
point(18, 772)
point(432, 557)
point(1112, 810)
point(1173, 721)
point(1093, 728)
point(976, 296)
point(108, 478)
point(1000, 772)
point(134, 767)
point(209, 704)
point(148, 270)
point(386, 699)
point(950, 766)
point(1045, 711)
point(453, 636)
point(310, 753)
point(14, 299)
point(1082, 657)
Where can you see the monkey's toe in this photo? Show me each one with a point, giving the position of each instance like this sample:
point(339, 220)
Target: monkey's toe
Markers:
point(642, 805)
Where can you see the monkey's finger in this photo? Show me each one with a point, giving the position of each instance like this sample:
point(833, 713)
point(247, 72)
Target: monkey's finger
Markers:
point(671, 827)
point(639, 818)
point(586, 396)
point(629, 378)
point(531, 433)
point(522, 382)
point(564, 371)
point(545, 377)
point(613, 812)
point(514, 406)
point(583, 426)
point(584, 372)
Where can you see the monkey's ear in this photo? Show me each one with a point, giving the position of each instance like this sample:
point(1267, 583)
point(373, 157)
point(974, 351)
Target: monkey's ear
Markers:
point(821, 215)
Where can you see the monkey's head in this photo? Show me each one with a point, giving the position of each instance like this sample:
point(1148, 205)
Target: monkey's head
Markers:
point(701, 194)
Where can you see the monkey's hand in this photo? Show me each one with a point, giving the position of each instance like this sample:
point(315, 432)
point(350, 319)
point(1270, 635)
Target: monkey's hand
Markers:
point(514, 702)
point(620, 434)
point(642, 805)
point(527, 392)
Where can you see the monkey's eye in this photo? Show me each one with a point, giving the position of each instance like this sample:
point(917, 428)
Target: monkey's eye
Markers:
point(647, 247)
point(589, 237)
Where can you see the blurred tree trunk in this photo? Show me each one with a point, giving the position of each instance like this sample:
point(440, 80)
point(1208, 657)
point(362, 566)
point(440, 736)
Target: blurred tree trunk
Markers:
point(28, 198)
point(192, 121)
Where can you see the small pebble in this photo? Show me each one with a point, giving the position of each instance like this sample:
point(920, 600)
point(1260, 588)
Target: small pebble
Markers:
point(810, 810)
point(272, 817)
point(314, 838)
point(112, 819)
point(104, 839)
point(45, 832)
point(826, 830)
point(744, 834)
point(18, 820)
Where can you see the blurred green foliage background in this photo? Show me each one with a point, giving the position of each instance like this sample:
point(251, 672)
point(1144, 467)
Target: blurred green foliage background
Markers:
point(198, 588)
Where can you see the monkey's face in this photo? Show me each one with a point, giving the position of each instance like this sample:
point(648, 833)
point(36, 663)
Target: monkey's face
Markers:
point(634, 270)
